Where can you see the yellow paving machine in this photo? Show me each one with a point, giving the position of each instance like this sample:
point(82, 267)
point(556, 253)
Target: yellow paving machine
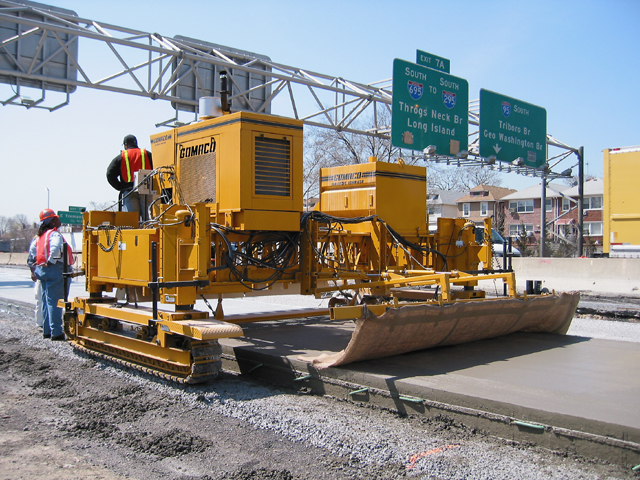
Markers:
point(226, 219)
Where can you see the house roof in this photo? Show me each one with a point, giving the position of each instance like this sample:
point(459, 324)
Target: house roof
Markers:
point(443, 197)
point(491, 194)
point(553, 190)
point(595, 186)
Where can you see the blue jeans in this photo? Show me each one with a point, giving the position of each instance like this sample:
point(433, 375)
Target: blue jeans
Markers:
point(134, 202)
point(52, 290)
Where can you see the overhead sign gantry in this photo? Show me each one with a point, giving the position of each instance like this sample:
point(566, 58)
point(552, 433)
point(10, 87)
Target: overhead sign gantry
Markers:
point(440, 128)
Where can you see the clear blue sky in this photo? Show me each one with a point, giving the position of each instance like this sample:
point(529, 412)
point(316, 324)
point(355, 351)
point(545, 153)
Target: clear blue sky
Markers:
point(578, 59)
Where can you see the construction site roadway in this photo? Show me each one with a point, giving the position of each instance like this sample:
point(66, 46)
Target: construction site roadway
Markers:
point(565, 392)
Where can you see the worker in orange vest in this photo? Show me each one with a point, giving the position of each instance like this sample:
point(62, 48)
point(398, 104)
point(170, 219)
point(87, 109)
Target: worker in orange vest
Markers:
point(120, 175)
point(46, 262)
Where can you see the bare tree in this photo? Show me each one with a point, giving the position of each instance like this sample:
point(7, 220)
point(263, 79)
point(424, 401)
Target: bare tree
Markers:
point(18, 223)
point(4, 225)
point(499, 220)
point(450, 177)
point(441, 177)
point(20, 231)
point(99, 205)
point(330, 148)
point(473, 176)
point(573, 181)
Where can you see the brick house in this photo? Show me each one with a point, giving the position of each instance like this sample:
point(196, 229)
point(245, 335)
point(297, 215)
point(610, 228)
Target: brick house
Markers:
point(481, 202)
point(523, 214)
point(592, 194)
point(522, 209)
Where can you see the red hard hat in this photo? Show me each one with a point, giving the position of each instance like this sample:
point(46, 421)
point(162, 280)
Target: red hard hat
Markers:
point(47, 213)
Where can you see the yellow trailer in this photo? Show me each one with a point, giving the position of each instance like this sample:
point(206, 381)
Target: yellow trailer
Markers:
point(621, 213)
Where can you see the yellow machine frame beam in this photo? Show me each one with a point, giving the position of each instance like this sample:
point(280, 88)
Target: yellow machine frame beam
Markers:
point(357, 311)
point(192, 324)
point(443, 280)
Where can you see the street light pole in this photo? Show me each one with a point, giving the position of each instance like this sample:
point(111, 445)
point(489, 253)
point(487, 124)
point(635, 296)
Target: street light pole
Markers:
point(580, 154)
point(543, 216)
point(47, 196)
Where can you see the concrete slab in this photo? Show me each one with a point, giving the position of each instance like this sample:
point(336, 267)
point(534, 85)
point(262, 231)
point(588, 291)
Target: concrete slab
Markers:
point(547, 376)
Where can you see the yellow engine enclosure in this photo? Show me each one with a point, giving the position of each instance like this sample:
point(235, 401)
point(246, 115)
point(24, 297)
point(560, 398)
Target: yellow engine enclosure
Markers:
point(249, 165)
point(395, 192)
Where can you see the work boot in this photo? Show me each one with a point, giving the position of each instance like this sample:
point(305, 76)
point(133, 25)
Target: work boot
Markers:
point(58, 338)
point(46, 335)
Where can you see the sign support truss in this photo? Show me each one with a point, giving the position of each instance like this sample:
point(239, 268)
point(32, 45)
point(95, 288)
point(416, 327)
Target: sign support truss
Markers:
point(152, 66)
point(147, 65)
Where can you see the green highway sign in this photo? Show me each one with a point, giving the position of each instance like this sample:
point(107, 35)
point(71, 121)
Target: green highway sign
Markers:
point(77, 209)
point(512, 129)
point(429, 108)
point(433, 61)
point(70, 218)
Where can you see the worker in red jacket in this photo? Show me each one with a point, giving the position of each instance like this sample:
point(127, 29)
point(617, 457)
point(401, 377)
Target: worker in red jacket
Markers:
point(120, 175)
point(46, 261)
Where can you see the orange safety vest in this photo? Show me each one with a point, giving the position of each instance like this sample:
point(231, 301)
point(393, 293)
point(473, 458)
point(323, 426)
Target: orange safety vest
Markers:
point(43, 248)
point(133, 159)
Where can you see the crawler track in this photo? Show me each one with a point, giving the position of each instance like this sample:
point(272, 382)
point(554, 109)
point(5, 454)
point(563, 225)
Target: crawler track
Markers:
point(205, 367)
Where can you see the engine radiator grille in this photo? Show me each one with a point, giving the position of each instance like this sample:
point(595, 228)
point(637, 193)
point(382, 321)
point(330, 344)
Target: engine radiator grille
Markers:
point(198, 179)
point(272, 166)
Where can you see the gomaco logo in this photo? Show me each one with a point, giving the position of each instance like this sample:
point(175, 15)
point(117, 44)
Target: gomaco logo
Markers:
point(346, 176)
point(449, 99)
point(196, 150)
point(415, 89)
point(506, 109)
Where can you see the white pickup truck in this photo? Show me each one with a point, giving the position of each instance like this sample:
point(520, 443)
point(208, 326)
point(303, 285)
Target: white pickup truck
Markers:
point(497, 243)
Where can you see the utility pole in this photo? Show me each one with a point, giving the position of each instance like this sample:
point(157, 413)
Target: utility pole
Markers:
point(580, 154)
point(543, 215)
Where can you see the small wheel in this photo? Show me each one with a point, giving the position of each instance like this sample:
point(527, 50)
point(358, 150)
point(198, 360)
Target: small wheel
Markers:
point(143, 334)
point(70, 325)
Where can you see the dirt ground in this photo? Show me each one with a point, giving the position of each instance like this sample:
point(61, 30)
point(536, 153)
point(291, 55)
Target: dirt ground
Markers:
point(64, 419)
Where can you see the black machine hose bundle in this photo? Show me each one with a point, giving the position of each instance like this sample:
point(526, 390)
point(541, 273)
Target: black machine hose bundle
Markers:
point(323, 218)
point(280, 251)
point(276, 251)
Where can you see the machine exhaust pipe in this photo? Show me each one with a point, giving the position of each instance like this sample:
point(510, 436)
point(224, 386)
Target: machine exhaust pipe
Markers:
point(224, 92)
